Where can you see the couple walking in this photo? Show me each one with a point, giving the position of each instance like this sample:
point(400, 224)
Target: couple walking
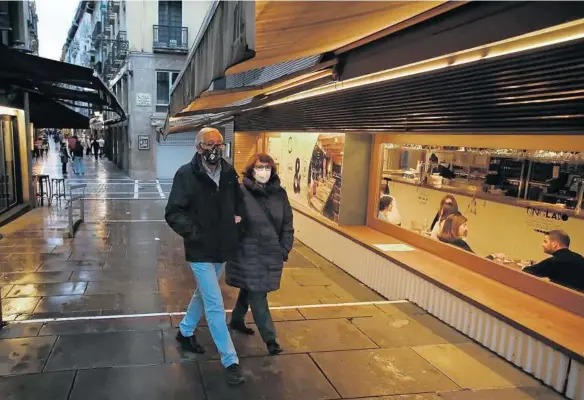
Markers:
point(246, 229)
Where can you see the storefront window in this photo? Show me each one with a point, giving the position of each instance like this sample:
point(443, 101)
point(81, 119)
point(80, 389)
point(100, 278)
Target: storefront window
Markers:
point(310, 168)
point(495, 203)
point(8, 192)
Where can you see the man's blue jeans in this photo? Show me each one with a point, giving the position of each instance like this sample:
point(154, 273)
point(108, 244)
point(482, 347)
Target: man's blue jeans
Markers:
point(78, 165)
point(208, 299)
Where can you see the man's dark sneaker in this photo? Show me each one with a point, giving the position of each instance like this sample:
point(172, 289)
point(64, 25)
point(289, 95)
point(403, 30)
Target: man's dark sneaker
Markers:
point(239, 326)
point(274, 348)
point(234, 376)
point(189, 343)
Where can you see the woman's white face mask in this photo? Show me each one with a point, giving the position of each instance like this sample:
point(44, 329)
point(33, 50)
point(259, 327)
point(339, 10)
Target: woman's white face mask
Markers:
point(262, 174)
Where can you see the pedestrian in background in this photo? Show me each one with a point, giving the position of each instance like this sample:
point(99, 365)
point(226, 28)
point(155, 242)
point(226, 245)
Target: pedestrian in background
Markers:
point(78, 158)
point(95, 146)
point(64, 158)
point(204, 207)
point(267, 239)
point(101, 142)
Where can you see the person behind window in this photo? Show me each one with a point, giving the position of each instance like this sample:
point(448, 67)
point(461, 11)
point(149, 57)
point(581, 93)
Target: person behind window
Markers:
point(454, 231)
point(448, 206)
point(388, 211)
point(564, 267)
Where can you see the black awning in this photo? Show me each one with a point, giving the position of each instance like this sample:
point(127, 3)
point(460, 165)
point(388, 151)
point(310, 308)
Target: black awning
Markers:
point(56, 80)
point(47, 113)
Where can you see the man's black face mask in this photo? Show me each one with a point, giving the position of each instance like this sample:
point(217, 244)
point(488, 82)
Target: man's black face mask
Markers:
point(213, 155)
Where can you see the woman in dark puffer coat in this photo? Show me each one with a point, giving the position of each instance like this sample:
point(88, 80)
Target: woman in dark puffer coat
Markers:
point(267, 239)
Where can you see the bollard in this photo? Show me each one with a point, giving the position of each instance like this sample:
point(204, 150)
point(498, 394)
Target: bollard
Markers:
point(72, 198)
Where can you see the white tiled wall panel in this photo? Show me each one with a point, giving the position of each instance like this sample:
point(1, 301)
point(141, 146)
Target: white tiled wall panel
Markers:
point(396, 283)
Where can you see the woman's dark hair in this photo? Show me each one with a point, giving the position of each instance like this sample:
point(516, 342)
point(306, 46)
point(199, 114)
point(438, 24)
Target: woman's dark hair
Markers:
point(263, 158)
point(384, 202)
point(451, 227)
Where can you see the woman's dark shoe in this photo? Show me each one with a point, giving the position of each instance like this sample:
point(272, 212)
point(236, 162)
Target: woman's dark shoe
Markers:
point(234, 376)
point(239, 326)
point(274, 348)
point(189, 343)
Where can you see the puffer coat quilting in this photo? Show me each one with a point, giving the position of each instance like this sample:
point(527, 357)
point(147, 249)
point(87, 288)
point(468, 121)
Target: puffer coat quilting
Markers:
point(258, 266)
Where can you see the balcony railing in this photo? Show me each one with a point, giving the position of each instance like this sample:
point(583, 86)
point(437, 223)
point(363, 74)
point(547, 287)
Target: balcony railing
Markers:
point(172, 38)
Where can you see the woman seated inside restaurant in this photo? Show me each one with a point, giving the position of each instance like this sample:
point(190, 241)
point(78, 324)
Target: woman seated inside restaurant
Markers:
point(388, 211)
point(454, 231)
point(448, 206)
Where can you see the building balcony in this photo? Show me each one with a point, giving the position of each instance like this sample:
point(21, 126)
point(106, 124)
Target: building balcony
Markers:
point(169, 38)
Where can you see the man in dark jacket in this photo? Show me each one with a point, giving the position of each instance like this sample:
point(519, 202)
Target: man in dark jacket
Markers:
point(204, 207)
point(564, 267)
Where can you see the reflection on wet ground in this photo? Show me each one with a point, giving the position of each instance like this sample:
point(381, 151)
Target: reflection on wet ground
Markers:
point(126, 261)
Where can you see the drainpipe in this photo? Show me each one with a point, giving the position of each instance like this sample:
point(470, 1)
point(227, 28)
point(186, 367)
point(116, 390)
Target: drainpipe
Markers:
point(18, 22)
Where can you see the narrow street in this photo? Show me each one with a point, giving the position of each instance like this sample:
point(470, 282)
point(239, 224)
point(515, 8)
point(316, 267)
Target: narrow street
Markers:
point(112, 297)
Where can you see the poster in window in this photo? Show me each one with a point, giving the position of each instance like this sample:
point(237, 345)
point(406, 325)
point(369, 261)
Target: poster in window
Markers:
point(310, 170)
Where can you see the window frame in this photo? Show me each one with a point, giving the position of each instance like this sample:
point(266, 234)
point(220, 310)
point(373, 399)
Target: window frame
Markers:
point(170, 74)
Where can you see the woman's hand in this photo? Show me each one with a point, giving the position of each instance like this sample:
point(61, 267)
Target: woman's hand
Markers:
point(237, 219)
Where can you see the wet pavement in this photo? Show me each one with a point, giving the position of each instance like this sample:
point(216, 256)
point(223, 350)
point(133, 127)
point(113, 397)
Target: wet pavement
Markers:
point(89, 319)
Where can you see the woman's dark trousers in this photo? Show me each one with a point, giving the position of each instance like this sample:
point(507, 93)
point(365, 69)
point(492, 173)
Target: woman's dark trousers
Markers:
point(258, 302)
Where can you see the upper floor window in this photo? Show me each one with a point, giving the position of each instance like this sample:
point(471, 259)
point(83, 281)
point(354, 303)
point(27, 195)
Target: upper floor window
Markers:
point(170, 13)
point(164, 81)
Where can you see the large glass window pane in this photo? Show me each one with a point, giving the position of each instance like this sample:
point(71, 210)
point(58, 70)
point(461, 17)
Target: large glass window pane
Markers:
point(8, 196)
point(162, 88)
point(496, 203)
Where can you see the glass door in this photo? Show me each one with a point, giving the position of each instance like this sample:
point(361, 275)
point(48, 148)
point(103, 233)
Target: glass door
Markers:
point(8, 164)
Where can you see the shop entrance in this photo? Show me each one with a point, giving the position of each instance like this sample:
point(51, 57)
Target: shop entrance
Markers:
point(9, 164)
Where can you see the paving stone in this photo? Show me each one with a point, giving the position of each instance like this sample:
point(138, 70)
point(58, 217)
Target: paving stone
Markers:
point(422, 396)
point(171, 381)
point(36, 257)
point(113, 287)
point(48, 289)
point(20, 330)
point(19, 266)
point(4, 290)
point(115, 349)
point(63, 304)
point(472, 366)
point(400, 309)
point(24, 305)
point(381, 372)
point(297, 260)
point(36, 277)
point(311, 277)
point(105, 325)
point(24, 355)
point(286, 377)
point(388, 331)
point(70, 266)
point(340, 312)
point(291, 314)
point(527, 393)
point(50, 386)
point(321, 335)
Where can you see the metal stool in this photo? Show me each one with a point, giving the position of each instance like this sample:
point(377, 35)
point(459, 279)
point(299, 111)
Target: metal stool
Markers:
point(44, 189)
point(58, 189)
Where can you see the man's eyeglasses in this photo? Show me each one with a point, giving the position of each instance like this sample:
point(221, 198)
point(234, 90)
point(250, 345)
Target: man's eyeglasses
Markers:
point(211, 145)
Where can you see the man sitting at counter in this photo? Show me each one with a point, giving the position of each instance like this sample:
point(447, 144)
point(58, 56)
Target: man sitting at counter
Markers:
point(564, 267)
